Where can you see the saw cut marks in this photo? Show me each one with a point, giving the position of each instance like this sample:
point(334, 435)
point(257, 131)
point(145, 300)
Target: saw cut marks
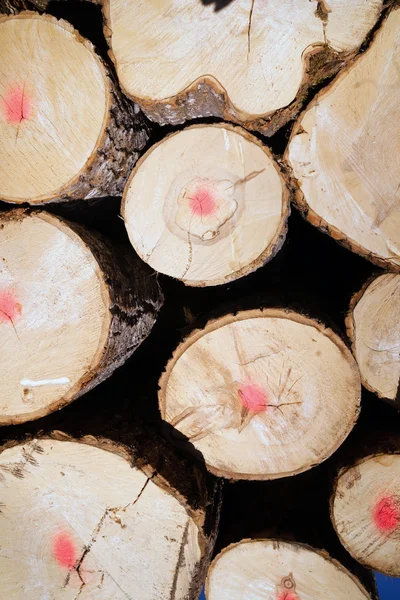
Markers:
point(262, 394)
point(373, 324)
point(206, 205)
point(344, 153)
point(259, 569)
point(365, 511)
point(183, 60)
point(79, 521)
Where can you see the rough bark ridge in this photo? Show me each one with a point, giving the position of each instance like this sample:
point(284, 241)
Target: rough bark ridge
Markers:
point(126, 135)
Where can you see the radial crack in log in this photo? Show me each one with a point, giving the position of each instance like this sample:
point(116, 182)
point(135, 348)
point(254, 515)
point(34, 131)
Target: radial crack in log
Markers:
point(343, 153)
point(74, 501)
point(373, 325)
point(206, 205)
point(56, 278)
point(284, 571)
point(184, 61)
point(67, 133)
point(261, 394)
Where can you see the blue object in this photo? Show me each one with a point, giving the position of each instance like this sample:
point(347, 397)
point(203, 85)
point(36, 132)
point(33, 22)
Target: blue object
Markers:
point(388, 587)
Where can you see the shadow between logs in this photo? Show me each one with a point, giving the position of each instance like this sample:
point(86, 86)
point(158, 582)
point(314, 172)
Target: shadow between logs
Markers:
point(219, 4)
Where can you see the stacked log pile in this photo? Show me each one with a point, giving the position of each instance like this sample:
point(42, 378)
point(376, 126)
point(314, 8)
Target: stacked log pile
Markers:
point(199, 387)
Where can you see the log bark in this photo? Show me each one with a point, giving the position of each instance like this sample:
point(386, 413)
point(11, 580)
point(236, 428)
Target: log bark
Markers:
point(365, 505)
point(71, 309)
point(96, 522)
point(261, 394)
point(254, 568)
point(67, 133)
point(206, 205)
point(373, 325)
point(341, 149)
point(185, 62)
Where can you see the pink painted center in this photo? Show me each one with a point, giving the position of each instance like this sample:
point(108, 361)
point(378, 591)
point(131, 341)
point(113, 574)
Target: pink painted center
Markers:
point(287, 596)
point(64, 550)
point(203, 202)
point(17, 105)
point(253, 397)
point(387, 514)
point(10, 308)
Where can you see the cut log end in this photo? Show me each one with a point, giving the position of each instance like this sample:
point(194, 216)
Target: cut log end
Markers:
point(91, 525)
point(258, 569)
point(373, 325)
point(365, 511)
point(189, 61)
point(342, 150)
point(206, 205)
point(59, 115)
point(262, 394)
point(52, 286)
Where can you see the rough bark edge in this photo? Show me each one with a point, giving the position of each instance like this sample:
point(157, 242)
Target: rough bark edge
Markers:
point(342, 471)
point(205, 516)
point(124, 133)
point(370, 595)
point(227, 319)
point(13, 7)
point(132, 299)
point(298, 196)
point(279, 238)
point(351, 334)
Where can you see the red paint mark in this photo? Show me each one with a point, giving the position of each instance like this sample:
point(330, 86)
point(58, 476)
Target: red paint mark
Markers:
point(17, 105)
point(387, 514)
point(10, 308)
point(286, 595)
point(253, 397)
point(64, 550)
point(203, 202)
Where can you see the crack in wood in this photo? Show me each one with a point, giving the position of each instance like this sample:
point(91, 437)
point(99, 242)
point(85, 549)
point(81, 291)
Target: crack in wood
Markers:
point(190, 258)
point(249, 28)
point(94, 536)
point(180, 562)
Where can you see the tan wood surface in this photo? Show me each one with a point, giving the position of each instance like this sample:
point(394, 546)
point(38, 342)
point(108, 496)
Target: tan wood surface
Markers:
point(260, 569)
point(365, 510)
point(262, 394)
point(206, 205)
point(79, 521)
point(373, 325)
point(344, 155)
point(182, 59)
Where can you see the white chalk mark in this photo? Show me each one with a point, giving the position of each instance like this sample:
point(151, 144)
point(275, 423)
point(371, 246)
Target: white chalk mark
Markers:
point(40, 382)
